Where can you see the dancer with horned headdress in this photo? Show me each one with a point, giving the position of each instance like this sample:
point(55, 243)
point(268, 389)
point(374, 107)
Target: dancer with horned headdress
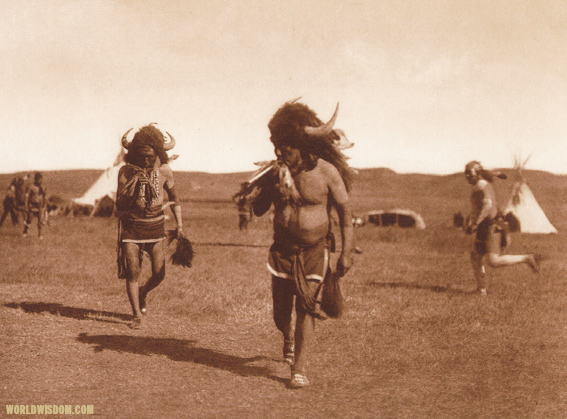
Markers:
point(310, 178)
point(482, 222)
point(140, 201)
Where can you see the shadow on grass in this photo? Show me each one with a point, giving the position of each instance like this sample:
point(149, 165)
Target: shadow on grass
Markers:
point(179, 350)
point(72, 312)
point(434, 288)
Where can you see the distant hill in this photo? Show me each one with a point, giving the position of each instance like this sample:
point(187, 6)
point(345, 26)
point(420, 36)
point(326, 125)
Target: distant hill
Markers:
point(435, 197)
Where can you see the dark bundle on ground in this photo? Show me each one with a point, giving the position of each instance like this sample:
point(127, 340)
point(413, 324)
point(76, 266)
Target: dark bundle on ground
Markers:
point(184, 253)
point(333, 302)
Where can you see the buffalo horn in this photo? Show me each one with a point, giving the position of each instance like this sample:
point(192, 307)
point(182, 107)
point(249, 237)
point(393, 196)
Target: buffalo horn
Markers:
point(125, 142)
point(291, 102)
point(168, 141)
point(324, 129)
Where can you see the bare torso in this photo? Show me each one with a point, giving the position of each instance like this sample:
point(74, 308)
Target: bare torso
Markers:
point(36, 196)
point(483, 201)
point(308, 222)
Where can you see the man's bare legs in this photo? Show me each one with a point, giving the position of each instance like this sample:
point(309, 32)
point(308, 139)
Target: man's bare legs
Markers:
point(479, 272)
point(494, 260)
point(298, 339)
point(304, 331)
point(157, 256)
point(282, 298)
point(498, 261)
point(133, 269)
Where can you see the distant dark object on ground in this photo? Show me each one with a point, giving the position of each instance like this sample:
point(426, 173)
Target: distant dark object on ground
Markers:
point(57, 205)
point(396, 217)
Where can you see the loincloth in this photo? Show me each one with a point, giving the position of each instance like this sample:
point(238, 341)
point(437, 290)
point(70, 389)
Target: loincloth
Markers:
point(305, 265)
point(34, 208)
point(487, 239)
point(314, 261)
point(142, 230)
point(313, 256)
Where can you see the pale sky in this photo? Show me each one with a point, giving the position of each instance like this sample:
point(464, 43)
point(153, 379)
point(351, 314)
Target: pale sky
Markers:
point(423, 85)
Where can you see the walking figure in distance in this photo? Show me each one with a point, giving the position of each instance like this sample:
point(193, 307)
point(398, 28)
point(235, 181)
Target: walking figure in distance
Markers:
point(35, 205)
point(10, 202)
point(482, 223)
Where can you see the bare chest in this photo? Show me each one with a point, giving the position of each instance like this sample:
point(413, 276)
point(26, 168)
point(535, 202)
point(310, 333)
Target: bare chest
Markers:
point(312, 187)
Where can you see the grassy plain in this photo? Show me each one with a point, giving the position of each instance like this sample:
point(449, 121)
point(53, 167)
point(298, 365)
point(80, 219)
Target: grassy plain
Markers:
point(415, 342)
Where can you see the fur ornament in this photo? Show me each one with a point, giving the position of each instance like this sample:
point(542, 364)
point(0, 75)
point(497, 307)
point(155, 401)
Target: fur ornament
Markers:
point(333, 301)
point(184, 252)
point(287, 186)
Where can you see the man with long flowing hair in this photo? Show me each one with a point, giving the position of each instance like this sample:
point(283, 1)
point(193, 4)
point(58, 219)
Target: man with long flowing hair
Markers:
point(310, 179)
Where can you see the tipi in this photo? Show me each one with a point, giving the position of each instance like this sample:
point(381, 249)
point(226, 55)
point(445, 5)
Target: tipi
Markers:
point(522, 211)
point(102, 193)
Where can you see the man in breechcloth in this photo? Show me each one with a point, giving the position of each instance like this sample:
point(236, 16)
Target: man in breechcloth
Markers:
point(35, 204)
point(10, 202)
point(142, 185)
point(482, 223)
point(310, 178)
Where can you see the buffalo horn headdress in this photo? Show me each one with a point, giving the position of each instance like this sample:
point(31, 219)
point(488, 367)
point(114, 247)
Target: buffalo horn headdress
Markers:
point(168, 140)
point(324, 129)
point(342, 144)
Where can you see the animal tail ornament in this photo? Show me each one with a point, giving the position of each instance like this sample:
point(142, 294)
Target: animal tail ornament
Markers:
point(287, 186)
point(270, 170)
point(184, 252)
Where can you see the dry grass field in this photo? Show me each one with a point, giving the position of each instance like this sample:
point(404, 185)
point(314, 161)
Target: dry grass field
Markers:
point(415, 342)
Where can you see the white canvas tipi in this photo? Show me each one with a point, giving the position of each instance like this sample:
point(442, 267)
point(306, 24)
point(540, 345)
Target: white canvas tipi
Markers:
point(524, 207)
point(104, 188)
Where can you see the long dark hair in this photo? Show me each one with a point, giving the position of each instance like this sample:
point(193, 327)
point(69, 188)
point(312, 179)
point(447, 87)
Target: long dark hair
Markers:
point(488, 175)
point(147, 136)
point(287, 127)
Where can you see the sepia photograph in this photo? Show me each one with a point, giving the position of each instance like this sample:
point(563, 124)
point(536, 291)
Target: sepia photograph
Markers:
point(283, 209)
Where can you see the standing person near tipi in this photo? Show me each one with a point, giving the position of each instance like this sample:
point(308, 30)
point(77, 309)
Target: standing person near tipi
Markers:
point(487, 244)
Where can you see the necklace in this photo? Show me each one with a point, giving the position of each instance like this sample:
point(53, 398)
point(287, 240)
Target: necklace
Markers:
point(155, 183)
